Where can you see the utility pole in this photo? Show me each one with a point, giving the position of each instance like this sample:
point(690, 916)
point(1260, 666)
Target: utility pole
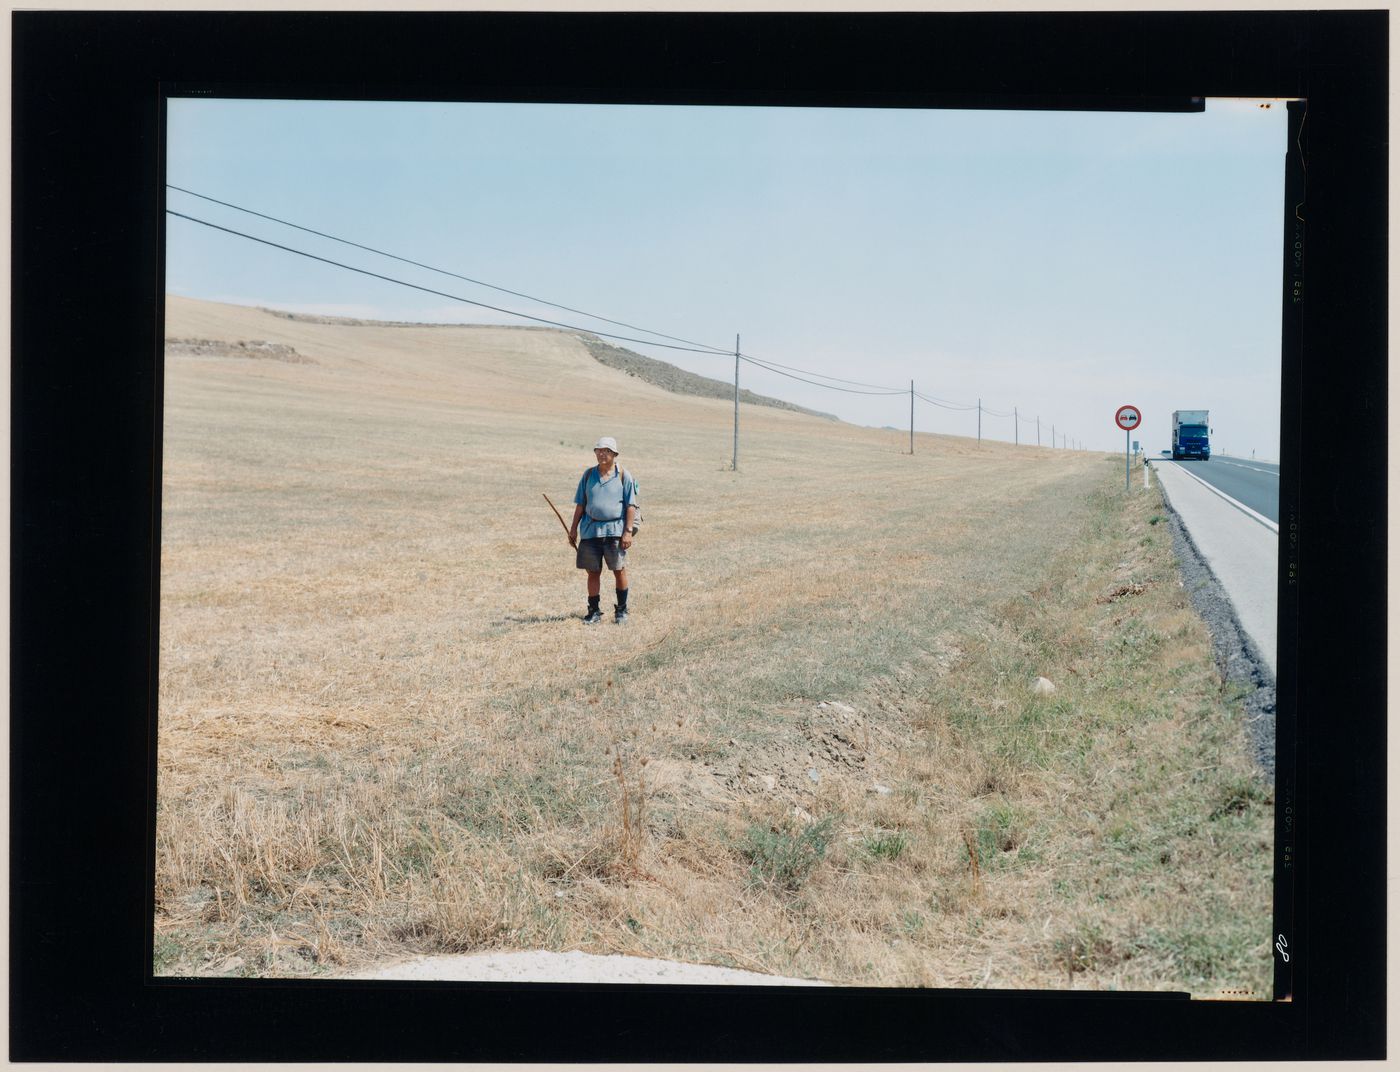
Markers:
point(736, 403)
point(1037, 429)
point(1016, 419)
point(911, 418)
point(979, 422)
point(1052, 437)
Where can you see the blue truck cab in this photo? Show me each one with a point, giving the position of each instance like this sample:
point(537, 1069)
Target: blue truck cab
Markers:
point(1191, 434)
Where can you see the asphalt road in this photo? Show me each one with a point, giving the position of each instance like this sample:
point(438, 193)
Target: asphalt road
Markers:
point(1253, 483)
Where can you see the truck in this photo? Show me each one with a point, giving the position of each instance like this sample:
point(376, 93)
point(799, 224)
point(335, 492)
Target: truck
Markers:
point(1191, 434)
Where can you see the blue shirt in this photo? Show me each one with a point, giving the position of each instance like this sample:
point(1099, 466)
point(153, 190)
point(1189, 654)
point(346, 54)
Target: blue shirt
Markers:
point(605, 502)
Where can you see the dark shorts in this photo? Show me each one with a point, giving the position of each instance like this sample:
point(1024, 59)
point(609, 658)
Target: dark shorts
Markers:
point(593, 553)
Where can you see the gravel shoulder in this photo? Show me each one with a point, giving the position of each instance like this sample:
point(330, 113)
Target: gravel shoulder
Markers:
point(1239, 659)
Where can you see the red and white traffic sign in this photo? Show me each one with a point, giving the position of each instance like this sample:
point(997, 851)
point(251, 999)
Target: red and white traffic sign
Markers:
point(1127, 418)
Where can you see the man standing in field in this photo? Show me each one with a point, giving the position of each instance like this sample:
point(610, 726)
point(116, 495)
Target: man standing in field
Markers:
point(606, 503)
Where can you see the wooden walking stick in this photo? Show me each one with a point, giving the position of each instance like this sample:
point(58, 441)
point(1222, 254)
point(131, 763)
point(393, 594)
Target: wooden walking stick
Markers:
point(561, 521)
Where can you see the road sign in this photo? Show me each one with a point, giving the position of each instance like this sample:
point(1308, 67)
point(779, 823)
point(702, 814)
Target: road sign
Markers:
point(1127, 418)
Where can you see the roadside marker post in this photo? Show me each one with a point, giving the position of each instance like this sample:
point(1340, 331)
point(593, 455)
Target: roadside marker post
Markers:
point(1127, 418)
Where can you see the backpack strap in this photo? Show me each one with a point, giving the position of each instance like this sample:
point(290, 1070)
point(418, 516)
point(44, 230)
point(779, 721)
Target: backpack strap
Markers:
point(586, 474)
point(625, 500)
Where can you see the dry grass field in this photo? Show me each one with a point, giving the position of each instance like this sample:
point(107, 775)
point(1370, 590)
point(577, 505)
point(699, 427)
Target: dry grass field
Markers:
point(814, 750)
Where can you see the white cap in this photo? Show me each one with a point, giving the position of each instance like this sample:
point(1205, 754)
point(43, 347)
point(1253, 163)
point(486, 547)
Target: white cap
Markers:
point(607, 442)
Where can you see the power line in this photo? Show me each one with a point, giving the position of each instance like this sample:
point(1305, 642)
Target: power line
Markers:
point(693, 347)
point(942, 403)
point(508, 312)
point(429, 290)
point(773, 365)
point(828, 386)
point(440, 271)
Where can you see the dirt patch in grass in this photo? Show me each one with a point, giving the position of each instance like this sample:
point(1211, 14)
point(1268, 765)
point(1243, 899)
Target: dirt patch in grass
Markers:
point(258, 349)
point(815, 750)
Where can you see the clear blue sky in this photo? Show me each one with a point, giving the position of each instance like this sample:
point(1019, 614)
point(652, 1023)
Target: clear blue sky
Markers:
point(1063, 263)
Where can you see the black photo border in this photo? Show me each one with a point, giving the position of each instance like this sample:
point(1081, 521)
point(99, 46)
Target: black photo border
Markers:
point(86, 265)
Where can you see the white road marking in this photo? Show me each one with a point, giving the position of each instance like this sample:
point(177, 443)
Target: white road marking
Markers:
point(1241, 465)
point(1272, 525)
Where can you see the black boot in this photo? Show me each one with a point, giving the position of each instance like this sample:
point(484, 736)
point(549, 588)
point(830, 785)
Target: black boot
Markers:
point(620, 614)
point(594, 615)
